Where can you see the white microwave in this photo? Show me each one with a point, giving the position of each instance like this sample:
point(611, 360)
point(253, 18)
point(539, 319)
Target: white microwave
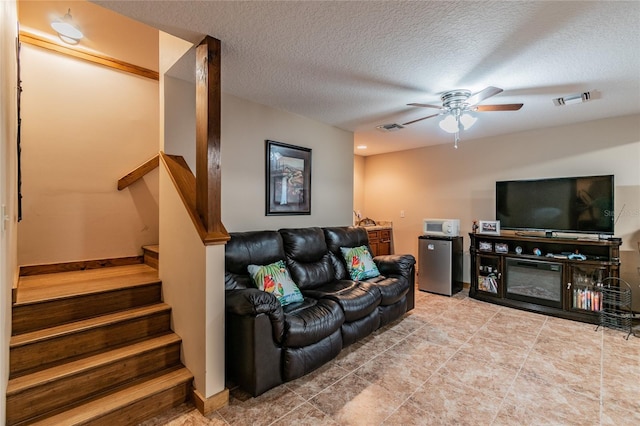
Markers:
point(444, 227)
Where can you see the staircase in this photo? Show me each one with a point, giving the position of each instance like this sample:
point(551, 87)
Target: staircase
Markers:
point(93, 347)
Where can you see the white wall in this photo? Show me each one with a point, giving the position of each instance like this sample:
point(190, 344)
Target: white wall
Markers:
point(84, 126)
point(441, 181)
point(8, 137)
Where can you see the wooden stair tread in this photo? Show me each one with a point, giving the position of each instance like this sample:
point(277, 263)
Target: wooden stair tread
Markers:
point(91, 323)
point(45, 287)
point(116, 400)
point(38, 378)
point(155, 248)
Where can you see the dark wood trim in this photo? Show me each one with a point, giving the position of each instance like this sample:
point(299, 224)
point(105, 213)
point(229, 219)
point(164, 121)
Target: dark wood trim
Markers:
point(185, 183)
point(139, 172)
point(80, 265)
point(208, 171)
point(92, 57)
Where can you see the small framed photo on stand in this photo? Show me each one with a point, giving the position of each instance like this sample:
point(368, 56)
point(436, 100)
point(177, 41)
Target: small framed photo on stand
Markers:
point(502, 248)
point(489, 227)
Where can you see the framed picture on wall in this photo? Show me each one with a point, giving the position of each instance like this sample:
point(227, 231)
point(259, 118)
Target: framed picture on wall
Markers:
point(288, 179)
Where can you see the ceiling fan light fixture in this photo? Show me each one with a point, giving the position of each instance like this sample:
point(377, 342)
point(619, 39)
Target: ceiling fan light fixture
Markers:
point(449, 124)
point(468, 120)
point(66, 29)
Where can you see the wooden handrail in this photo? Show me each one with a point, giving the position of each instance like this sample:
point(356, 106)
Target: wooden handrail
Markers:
point(93, 57)
point(138, 172)
point(185, 183)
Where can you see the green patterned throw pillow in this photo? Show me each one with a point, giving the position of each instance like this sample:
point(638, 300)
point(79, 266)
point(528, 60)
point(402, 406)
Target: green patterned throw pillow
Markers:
point(275, 279)
point(359, 262)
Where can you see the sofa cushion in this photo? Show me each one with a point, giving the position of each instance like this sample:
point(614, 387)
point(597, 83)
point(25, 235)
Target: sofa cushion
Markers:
point(344, 236)
point(308, 258)
point(357, 299)
point(275, 279)
point(391, 289)
point(250, 248)
point(310, 321)
point(359, 262)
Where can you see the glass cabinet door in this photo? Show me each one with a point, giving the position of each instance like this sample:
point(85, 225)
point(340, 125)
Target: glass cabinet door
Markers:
point(489, 275)
point(584, 289)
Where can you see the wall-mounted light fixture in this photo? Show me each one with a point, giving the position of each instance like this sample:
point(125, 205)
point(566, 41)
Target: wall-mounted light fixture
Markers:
point(66, 29)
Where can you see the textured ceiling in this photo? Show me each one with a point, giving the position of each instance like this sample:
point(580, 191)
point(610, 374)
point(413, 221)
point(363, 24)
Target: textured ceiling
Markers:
point(356, 64)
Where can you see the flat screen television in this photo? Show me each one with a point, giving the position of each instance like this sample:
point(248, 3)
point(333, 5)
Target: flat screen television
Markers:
point(570, 204)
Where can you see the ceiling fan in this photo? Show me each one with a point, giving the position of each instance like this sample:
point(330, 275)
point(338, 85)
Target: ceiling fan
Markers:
point(456, 104)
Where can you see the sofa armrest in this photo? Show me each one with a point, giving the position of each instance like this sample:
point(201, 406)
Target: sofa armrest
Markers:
point(253, 302)
point(399, 265)
point(395, 264)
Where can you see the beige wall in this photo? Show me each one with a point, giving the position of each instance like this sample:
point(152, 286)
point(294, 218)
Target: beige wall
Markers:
point(183, 270)
point(85, 126)
point(8, 135)
point(441, 181)
point(358, 184)
point(245, 126)
point(192, 274)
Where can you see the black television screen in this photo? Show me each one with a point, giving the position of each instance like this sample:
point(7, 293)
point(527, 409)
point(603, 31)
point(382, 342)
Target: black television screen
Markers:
point(572, 204)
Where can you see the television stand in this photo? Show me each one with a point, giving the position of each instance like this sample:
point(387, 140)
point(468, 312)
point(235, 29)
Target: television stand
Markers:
point(506, 270)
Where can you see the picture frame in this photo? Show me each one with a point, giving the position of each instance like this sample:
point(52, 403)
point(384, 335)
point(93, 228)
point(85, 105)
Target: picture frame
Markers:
point(485, 246)
point(288, 179)
point(502, 248)
point(489, 227)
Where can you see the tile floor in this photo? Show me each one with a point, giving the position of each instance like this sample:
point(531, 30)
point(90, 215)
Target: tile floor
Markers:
point(456, 361)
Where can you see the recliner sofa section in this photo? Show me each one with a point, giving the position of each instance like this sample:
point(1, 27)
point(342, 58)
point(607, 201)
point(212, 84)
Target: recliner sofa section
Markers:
point(268, 344)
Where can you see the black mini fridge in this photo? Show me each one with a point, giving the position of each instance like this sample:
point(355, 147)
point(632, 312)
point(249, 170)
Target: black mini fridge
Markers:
point(440, 264)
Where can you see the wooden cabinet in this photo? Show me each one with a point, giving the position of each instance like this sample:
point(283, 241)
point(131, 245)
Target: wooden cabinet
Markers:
point(380, 241)
point(539, 274)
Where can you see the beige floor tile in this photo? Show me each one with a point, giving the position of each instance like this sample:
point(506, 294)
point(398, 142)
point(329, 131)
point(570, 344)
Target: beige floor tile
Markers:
point(555, 371)
point(495, 331)
point(448, 401)
point(481, 374)
point(315, 382)
point(355, 401)
point(262, 410)
point(572, 349)
point(306, 415)
point(455, 361)
point(409, 414)
point(494, 352)
point(545, 404)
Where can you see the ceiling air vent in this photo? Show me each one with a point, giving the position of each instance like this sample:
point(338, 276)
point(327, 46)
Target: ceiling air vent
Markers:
point(389, 127)
point(576, 98)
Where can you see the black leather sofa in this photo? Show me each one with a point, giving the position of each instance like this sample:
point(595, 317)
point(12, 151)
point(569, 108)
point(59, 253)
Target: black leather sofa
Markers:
point(268, 344)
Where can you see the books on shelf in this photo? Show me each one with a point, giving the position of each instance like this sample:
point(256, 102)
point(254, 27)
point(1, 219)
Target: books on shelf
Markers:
point(488, 283)
point(587, 299)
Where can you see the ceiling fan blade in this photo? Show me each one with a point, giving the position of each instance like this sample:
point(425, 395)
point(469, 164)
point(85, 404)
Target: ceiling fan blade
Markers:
point(426, 106)
point(504, 107)
point(483, 94)
point(419, 119)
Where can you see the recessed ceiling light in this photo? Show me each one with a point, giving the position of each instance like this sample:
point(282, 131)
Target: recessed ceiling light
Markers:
point(361, 147)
